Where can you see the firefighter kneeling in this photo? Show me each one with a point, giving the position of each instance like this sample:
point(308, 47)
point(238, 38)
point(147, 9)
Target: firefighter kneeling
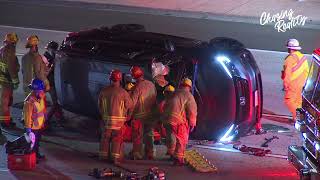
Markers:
point(179, 118)
point(34, 112)
point(114, 105)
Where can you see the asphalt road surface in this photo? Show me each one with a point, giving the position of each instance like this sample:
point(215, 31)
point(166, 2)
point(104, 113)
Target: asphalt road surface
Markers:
point(73, 17)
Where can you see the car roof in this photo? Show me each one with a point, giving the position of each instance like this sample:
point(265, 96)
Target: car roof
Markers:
point(160, 44)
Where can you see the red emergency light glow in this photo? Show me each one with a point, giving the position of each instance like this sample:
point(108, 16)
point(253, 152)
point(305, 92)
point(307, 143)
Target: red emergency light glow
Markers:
point(317, 51)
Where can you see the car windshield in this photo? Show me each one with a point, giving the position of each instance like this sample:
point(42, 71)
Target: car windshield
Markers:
point(311, 82)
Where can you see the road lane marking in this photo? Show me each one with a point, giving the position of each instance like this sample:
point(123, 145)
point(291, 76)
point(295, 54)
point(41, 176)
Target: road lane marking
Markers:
point(237, 151)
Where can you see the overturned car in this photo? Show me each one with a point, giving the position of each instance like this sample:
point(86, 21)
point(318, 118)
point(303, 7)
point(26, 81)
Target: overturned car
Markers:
point(228, 87)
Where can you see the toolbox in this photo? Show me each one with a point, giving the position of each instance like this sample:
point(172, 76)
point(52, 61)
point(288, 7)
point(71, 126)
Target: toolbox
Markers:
point(22, 161)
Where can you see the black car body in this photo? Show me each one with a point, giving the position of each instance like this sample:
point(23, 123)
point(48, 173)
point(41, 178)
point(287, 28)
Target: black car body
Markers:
point(307, 158)
point(228, 87)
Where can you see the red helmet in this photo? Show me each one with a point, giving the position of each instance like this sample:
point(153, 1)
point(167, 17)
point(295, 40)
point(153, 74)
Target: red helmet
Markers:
point(136, 72)
point(115, 75)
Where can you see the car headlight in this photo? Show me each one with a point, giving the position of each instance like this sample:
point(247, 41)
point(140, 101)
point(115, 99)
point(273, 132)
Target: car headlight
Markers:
point(317, 146)
point(224, 61)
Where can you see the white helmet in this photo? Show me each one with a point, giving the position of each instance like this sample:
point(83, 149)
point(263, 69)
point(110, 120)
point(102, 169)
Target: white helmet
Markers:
point(159, 69)
point(293, 44)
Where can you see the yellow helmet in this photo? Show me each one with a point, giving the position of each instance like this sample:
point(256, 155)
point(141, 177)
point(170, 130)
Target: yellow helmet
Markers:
point(11, 37)
point(168, 89)
point(186, 82)
point(32, 40)
point(129, 86)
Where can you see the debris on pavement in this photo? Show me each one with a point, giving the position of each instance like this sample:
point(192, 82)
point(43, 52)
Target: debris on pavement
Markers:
point(252, 150)
point(268, 140)
point(198, 162)
point(154, 173)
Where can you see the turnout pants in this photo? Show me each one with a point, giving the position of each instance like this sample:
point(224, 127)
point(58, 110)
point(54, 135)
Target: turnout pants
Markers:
point(293, 100)
point(5, 103)
point(36, 146)
point(111, 143)
point(177, 140)
point(142, 132)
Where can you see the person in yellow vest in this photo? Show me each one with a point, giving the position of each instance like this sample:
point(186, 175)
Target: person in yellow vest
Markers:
point(9, 80)
point(114, 104)
point(34, 65)
point(295, 73)
point(34, 112)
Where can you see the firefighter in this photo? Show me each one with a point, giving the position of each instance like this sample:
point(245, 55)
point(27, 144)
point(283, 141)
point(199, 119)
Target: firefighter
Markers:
point(296, 70)
point(168, 93)
point(34, 112)
point(159, 71)
point(180, 116)
point(9, 80)
point(144, 99)
point(34, 65)
point(114, 104)
point(50, 55)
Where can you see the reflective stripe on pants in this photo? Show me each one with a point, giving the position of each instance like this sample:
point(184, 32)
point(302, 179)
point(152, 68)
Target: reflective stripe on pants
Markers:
point(177, 138)
point(112, 140)
point(142, 131)
point(5, 103)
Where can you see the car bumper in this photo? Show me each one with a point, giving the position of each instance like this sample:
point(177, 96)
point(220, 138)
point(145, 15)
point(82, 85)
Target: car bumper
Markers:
point(299, 159)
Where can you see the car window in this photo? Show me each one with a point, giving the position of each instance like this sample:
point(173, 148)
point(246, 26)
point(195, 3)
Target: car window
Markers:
point(83, 46)
point(311, 82)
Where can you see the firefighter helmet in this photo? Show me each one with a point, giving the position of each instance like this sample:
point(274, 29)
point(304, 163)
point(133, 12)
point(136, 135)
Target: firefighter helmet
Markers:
point(32, 40)
point(37, 85)
point(11, 37)
point(115, 75)
point(136, 72)
point(169, 88)
point(293, 44)
point(52, 45)
point(186, 82)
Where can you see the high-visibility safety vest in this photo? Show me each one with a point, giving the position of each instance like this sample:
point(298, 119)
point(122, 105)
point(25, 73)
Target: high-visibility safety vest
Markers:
point(301, 67)
point(34, 113)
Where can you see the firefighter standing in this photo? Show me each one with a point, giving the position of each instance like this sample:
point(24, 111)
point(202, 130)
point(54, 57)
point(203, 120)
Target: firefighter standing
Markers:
point(159, 71)
point(34, 65)
point(295, 74)
point(114, 104)
point(34, 112)
point(50, 55)
point(9, 80)
point(180, 116)
point(144, 99)
point(168, 93)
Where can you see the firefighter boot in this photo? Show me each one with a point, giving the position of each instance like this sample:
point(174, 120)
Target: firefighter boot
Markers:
point(178, 162)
